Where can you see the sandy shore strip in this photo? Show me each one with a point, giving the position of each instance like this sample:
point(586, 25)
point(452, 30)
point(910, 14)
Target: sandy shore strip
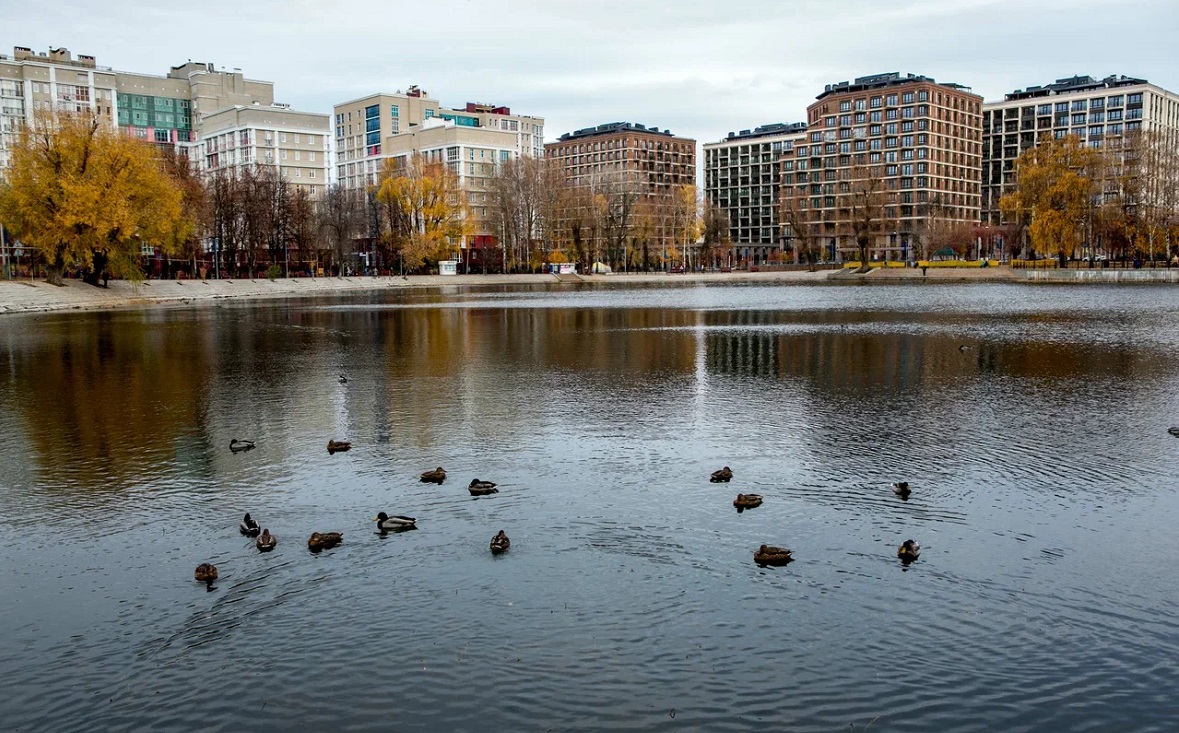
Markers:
point(23, 296)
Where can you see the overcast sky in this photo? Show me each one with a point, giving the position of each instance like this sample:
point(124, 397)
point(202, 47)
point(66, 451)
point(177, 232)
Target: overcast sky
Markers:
point(698, 67)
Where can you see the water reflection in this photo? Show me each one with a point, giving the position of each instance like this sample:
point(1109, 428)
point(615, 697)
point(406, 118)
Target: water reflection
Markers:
point(1032, 454)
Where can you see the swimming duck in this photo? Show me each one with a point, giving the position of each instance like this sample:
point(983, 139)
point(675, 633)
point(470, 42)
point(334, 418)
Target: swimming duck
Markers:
point(1174, 431)
point(437, 476)
point(481, 488)
point(343, 379)
point(499, 543)
point(205, 573)
point(747, 501)
point(722, 476)
point(237, 446)
point(395, 523)
point(266, 542)
point(901, 489)
point(908, 551)
point(249, 527)
point(768, 555)
point(338, 446)
point(324, 540)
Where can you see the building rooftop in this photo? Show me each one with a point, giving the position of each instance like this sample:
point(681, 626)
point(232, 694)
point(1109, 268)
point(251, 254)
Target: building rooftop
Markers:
point(1074, 84)
point(880, 81)
point(774, 128)
point(613, 128)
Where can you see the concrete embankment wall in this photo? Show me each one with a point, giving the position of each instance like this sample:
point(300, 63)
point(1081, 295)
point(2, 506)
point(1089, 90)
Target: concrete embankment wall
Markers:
point(1101, 276)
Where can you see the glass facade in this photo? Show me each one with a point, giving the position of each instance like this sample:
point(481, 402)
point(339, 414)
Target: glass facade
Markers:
point(161, 114)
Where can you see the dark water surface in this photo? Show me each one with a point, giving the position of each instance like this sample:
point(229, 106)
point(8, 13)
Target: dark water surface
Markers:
point(1044, 494)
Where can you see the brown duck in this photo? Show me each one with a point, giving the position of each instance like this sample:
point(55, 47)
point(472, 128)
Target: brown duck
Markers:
point(500, 543)
point(437, 476)
point(324, 540)
point(767, 555)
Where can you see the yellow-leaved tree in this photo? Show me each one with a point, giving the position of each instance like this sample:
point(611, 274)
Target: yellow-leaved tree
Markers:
point(87, 196)
point(1052, 194)
point(423, 209)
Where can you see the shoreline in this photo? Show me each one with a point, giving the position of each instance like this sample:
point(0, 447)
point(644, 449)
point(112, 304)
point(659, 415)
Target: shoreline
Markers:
point(24, 296)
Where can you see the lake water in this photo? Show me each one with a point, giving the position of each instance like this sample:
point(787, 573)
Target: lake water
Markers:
point(1044, 496)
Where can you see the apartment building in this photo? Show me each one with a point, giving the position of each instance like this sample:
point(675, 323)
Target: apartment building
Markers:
point(471, 140)
point(656, 160)
point(166, 109)
point(742, 177)
point(624, 158)
point(1095, 110)
point(919, 137)
point(294, 144)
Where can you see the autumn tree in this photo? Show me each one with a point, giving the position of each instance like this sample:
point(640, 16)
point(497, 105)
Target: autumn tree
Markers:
point(519, 198)
point(341, 219)
point(863, 210)
point(798, 221)
point(1052, 194)
point(84, 195)
point(715, 232)
point(423, 209)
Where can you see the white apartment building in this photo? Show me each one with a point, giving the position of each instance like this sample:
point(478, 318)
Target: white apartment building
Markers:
point(192, 101)
point(1094, 110)
point(471, 141)
point(742, 177)
point(295, 144)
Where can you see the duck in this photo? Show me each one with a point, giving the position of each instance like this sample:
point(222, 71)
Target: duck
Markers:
point(747, 501)
point(249, 527)
point(908, 551)
point(324, 540)
point(481, 488)
point(206, 572)
point(437, 476)
point(963, 347)
point(1174, 431)
point(395, 523)
point(343, 379)
point(500, 543)
point(901, 489)
point(722, 476)
point(237, 446)
point(769, 555)
point(338, 446)
point(266, 542)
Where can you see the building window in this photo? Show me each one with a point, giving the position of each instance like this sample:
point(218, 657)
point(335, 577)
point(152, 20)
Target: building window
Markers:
point(371, 112)
point(394, 112)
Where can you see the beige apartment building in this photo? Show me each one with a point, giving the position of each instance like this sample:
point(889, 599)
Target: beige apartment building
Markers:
point(294, 144)
point(471, 141)
point(168, 109)
point(1095, 110)
point(920, 138)
point(742, 177)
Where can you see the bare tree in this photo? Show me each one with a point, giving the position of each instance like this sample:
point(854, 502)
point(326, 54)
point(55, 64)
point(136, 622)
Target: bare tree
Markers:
point(862, 202)
point(341, 219)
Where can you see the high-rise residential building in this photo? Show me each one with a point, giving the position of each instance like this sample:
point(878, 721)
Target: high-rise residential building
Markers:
point(295, 144)
point(911, 141)
point(655, 159)
point(192, 101)
point(627, 162)
point(742, 177)
point(1095, 110)
point(472, 141)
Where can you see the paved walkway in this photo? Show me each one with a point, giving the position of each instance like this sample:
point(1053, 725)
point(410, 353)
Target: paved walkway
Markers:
point(23, 296)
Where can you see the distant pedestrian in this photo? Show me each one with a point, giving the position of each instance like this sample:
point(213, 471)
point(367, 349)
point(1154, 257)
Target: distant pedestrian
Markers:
point(923, 270)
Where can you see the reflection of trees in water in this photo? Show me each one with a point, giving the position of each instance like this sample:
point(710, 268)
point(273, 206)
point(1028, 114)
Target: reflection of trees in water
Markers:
point(110, 400)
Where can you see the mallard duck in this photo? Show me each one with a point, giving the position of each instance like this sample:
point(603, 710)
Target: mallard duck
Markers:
point(437, 476)
point(266, 542)
point(343, 379)
point(205, 573)
point(249, 527)
point(338, 446)
point(324, 540)
point(395, 523)
point(901, 489)
point(1174, 431)
point(908, 551)
point(237, 446)
point(499, 543)
point(747, 501)
point(722, 476)
point(481, 488)
point(767, 555)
